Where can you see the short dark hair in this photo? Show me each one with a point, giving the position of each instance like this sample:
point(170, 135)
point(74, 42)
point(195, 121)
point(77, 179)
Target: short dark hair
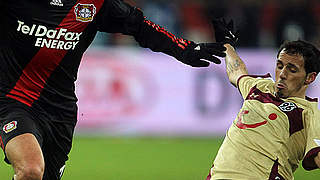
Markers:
point(309, 52)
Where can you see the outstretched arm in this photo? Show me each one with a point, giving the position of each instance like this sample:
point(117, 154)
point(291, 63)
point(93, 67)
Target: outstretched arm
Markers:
point(235, 67)
point(226, 34)
point(119, 17)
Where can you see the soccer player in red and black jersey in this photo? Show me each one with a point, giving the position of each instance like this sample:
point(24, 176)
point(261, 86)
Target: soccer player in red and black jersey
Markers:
point(41, 45)
point(278, 125)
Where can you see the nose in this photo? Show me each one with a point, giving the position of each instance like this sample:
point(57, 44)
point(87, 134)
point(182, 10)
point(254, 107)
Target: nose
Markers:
point(283, 73)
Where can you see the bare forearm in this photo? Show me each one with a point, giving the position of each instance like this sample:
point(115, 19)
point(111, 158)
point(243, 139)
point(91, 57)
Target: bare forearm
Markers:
point(234, 65)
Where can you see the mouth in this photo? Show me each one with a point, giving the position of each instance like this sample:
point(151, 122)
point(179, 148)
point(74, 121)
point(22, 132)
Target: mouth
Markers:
point(281, 86)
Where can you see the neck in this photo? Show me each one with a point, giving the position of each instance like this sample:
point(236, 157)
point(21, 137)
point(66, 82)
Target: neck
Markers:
point(302, 92)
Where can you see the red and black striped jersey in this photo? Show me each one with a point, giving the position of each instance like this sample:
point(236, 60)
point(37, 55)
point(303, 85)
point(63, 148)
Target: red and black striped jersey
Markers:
point(42, 43)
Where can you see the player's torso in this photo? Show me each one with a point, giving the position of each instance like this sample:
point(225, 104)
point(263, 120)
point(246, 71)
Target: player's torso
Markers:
point(266, 129)
point(42, 46)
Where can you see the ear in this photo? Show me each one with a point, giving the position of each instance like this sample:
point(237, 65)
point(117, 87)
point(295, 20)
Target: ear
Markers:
point(310, 78)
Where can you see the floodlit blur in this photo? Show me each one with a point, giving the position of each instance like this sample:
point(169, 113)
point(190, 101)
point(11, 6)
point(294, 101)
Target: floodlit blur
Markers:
point(127, 90)
point(263, 23)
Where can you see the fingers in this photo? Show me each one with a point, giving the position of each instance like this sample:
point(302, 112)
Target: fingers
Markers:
point(237, 33)
point(216, 20)
point(223, 24)
point(230, 25)
point(217, 53)
point(203, 59)
point(200, 63)
point(216, 46)
point(209, 57)
point(218, 23)
point(224, 21)
point(214, 59)
point(201, 55)
point(216, 49)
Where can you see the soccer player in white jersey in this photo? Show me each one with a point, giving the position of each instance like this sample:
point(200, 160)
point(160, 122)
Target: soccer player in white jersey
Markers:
point(278, 125)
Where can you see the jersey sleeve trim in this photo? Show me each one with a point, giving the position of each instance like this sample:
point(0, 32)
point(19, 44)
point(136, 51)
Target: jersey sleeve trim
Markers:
point(311, 99)
point(308, 161)
point(182, 43)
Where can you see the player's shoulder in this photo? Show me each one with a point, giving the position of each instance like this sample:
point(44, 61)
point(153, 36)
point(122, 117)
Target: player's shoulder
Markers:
point(255, 80)
point(311, 117)
point(307, 103)
point(309, 107)
point(255, 77)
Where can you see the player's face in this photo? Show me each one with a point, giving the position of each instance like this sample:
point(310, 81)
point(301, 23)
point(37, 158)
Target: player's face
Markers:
point(290, 76)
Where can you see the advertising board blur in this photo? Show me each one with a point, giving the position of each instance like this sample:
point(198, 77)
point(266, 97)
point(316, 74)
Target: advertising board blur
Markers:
point(138, 92)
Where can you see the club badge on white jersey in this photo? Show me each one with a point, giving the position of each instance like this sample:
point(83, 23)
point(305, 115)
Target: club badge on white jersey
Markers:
point(56, 3)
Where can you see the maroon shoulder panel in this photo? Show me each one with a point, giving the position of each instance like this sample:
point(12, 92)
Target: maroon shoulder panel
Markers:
point(293, 112)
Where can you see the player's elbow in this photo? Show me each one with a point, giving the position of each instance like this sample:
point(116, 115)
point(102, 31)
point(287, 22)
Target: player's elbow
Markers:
point(233, 78)
point(233, 82)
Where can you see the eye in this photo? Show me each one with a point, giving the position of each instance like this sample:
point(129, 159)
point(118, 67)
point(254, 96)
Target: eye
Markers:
point(279, 66)
point(293, 70)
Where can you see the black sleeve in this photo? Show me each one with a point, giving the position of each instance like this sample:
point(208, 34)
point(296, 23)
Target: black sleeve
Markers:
point(119, 17)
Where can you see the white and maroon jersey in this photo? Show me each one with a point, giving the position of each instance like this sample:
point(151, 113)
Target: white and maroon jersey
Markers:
point(269, 136)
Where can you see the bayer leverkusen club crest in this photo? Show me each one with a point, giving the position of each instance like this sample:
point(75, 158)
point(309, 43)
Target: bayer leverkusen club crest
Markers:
point(85, 12)
point(10, 126)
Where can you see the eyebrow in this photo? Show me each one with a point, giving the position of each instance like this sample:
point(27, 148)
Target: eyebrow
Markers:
point(289, 64)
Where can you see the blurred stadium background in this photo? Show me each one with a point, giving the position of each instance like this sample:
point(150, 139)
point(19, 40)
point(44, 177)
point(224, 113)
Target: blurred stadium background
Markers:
point(144, 116)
